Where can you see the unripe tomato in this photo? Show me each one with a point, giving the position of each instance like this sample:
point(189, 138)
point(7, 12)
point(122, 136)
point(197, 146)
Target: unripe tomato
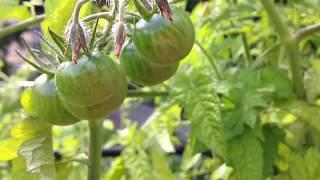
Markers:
point(100, 110)
point(140, 71)
point(91, 81)
point(44, 103)
point(163, 42)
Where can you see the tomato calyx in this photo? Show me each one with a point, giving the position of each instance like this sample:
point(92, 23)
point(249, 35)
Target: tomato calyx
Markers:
point(165, 9)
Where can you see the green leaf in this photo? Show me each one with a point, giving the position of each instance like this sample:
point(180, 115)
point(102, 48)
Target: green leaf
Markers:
point(245, 156)
point(13, 12)
point(9, 149)
point(117, 170)
point(64, 169)
point(160, 165)
point(273, 136)
point(19, 170)
point(194, 92)
point(304, 111)
point(38, 154)
point(29, 128)
point(58, 13)
point(137, 163)
point(305, 167)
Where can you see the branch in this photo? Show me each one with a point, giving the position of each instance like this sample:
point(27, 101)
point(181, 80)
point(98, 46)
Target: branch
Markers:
point(21, 25)
point(291, 45)
point(211, 61)
point(306, 31)
point(102, 15)
point(136, 93)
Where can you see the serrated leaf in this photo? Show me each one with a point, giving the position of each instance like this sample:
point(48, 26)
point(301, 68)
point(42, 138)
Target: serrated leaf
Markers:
point(137, 163)
point(245, 156)
point(195, 93)
point(39, 156)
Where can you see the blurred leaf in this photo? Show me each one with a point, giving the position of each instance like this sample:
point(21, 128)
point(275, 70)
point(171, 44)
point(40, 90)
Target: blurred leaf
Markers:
point(64, 169)
point(58, 13)
point(305, 167)
point(13, 12)
point(9, 149)
point(273, 135)
point(308, 113)
point(222, 173)
point(38, 154)
point(160, 165)
point(245, 156)
point(117, 170)
point(29, 128)
point(19, 170)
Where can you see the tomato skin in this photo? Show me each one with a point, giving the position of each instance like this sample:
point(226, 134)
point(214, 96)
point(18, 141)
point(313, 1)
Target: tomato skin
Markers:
point(91, 81)
point(100, 110)
point(140, 71)
point(163, 42)
point(46, 105)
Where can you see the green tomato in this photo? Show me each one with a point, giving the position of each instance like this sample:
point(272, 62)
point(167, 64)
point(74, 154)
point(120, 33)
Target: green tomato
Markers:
point(91, 81)
point(45, 104)
point(100, 110)
point(140, 71)
point(163, 42)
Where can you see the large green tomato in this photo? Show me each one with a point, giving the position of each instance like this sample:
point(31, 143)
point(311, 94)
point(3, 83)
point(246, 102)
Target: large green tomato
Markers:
point(44, 103)
point(163, 42)
point(91, 81)
point(140, 71)
point(100, 110)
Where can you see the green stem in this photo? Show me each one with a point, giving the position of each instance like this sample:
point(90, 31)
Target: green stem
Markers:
point(136, 93)
point(103, 15)
point(21, 26)
point(77, 9)
point(211, 61)
point(95, 142)
point(304, 32)
point(37, 67)
point(248, 58)
point(291, 46)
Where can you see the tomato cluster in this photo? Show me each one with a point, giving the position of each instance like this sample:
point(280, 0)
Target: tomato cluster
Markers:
point(88, 90)
point(96, 85)
point(158, 46)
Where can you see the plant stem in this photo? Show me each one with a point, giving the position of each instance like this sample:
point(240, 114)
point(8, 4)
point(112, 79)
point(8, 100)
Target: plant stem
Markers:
point(95, 141)
point(248, 58)
point(21, 26)
point(291, 46)
point(306, 31)
point(104, 15)
point(77, 9)
point(37, 67)
point(135, 93)
point(211, 61)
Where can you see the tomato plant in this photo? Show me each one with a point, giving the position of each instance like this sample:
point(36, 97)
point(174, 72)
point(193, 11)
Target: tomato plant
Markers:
point(160, 90)
point(139, 69)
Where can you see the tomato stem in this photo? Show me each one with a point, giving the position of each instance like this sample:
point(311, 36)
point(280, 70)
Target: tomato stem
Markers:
point(291, 46)
point(211, 60)
point(306, 31)
point(21, 26)
point(95, 142)
point(248, 58)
